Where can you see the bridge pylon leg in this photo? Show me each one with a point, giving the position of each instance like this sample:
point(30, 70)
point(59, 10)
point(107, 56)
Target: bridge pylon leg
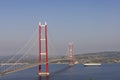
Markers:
point(43, 49)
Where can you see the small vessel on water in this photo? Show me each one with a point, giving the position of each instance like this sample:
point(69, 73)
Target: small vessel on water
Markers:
point(92, 64)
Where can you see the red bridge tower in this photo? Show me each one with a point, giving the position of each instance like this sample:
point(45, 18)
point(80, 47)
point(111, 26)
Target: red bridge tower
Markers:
point(43, 49)
point(71, 54)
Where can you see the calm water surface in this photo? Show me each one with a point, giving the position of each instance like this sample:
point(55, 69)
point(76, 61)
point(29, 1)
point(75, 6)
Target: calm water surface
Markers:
point(64, 72)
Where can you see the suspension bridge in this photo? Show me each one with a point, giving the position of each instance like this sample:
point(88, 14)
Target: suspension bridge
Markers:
point(20, 61)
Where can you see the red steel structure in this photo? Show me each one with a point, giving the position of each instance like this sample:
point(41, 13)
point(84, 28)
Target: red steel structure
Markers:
point(71, 54)
point(43, 48)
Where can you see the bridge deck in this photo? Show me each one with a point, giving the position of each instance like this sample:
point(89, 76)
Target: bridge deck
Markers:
point(26, 67)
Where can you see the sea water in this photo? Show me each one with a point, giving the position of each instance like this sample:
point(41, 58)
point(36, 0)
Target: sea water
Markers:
point(65, 72)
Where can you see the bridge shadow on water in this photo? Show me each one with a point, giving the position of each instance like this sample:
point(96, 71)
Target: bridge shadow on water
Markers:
point(44, 78)
point(66, 73)
point(53, 74)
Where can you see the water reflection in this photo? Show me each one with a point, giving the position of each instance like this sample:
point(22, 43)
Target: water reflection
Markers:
point(43, 78)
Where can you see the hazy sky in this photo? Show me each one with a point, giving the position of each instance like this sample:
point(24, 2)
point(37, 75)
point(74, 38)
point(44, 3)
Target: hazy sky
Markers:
point(92, 25)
